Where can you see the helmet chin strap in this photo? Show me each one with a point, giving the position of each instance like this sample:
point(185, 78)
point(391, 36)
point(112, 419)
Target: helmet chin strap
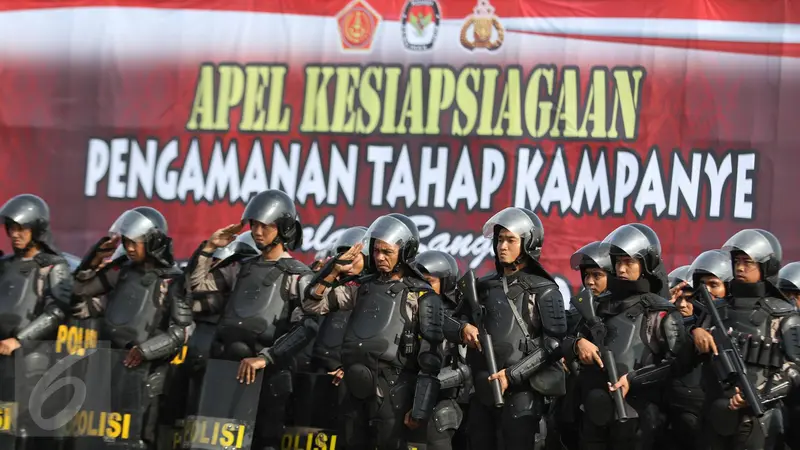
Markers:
point(270, 246)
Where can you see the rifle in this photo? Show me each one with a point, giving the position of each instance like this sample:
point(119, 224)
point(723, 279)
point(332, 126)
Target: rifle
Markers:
point(467, 286)
point(729, 364)
point(584, 303)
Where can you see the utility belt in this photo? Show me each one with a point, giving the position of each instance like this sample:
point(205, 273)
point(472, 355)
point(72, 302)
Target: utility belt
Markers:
point(760, 351)
point(362, 381)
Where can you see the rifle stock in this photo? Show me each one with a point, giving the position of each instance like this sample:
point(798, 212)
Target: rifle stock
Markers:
point(584, 303)
point(729, 363)
point(467, 286)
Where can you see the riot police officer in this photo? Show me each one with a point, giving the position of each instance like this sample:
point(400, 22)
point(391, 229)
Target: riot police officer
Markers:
point(35, 281)
point(789, 284)
point(262, 324)
point(646, 336)
point(767, 325)
point(138, 316)
point(594, 264)
point(391, 374)
point(35, 290)
point(441, 271)
point(525, 317)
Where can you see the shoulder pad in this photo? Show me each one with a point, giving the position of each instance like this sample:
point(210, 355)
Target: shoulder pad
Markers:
point(777, 306)
point(4, 258)
point(48, 259)
point(293, 266)
point(416, 284)
point(487, 280)
point(674, 330)
point(655, 303)
point(534, 282)
point(790, 337)
point(169, 272)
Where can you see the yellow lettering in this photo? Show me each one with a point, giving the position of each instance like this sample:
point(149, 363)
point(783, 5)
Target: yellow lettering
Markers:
point(181, 357)
point(126, 426)
point(567, 109)
point(467, 102)
point(114, 425)
point(390, 99)
point(626, 101)
point(61, 337)
point(344, 100)
point(227, 436)
point(177, 439)
point(102, 426)
point(510, 108)
point(240, 437)
point(537, 111)
point(369, 100)
point(487, 101)
point(441, 93)
point(321, 442)
point(278, 115)
point(315, 108)
point(231, 92)
point(89, 429)
point(201, 117)
point(6, 417)
point(333, 442)
point(412, 109)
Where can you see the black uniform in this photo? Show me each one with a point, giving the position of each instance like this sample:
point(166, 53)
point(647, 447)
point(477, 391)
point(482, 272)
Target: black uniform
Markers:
point(647, 337)
point(392, 346)
point(261, 316)
point(789, 283)
point(525, 317)
point(455, 376)
point(138, 307)
point(34, 300)
point(767, 327)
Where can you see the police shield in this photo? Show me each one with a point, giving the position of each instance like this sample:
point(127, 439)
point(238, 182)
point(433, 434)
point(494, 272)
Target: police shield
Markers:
point(114, 414)
point(315, 416)
point(7, 403)
point(224, 415)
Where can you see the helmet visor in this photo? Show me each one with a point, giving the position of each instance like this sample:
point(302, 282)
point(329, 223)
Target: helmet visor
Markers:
point(752, 243)
point(437, 264)
point(628, 240)
point(789, 277)
point(389, 230)
point(713, 262)
point(132, 225)
point(512, 219)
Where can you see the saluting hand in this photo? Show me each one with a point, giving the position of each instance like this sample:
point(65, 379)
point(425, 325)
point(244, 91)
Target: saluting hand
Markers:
point(350, 255)
point(224, 236)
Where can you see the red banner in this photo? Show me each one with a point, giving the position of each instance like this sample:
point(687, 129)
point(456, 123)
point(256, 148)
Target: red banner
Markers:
point(679, 114)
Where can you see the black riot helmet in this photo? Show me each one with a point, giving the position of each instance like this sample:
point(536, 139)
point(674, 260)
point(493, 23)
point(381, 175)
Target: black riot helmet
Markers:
point(638, 241)
point(349, 238)
point(30, 211)
point(712, 262)
point(395, 229)
point(789, 278)
point(274, 206)
point(522, 222)
point(760, 245)
point(440, 265)
point(678, 276)
point(155, 216)
point(242, 247)
point(591, 256)
point(138, 227)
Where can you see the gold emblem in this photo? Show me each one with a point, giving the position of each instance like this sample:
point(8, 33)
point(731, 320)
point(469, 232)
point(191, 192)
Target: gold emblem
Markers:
point(357, 24)
point(483, 21)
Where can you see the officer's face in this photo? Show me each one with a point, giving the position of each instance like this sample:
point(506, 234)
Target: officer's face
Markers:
point(434, 282)
point(263, 234)
point(746, 269)
point(135, 250)
point(628, 268)
point(20, 236)
point(596, 280)
point(508, 246)
point(715, 286)
point(385, 256)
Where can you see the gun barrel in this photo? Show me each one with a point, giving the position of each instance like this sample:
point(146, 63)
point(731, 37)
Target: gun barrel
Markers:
point(491, 362)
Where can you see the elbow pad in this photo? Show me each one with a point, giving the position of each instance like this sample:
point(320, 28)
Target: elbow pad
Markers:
point(163, 345)
point(43, 325)
point(426, 395)
point(430, 358)
point(451, 329)
point(293, 342)
point(60, 283)
point(450, 377)
point(431, 318)
point(790, 380)
point(790, 336)
point(180, 312)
